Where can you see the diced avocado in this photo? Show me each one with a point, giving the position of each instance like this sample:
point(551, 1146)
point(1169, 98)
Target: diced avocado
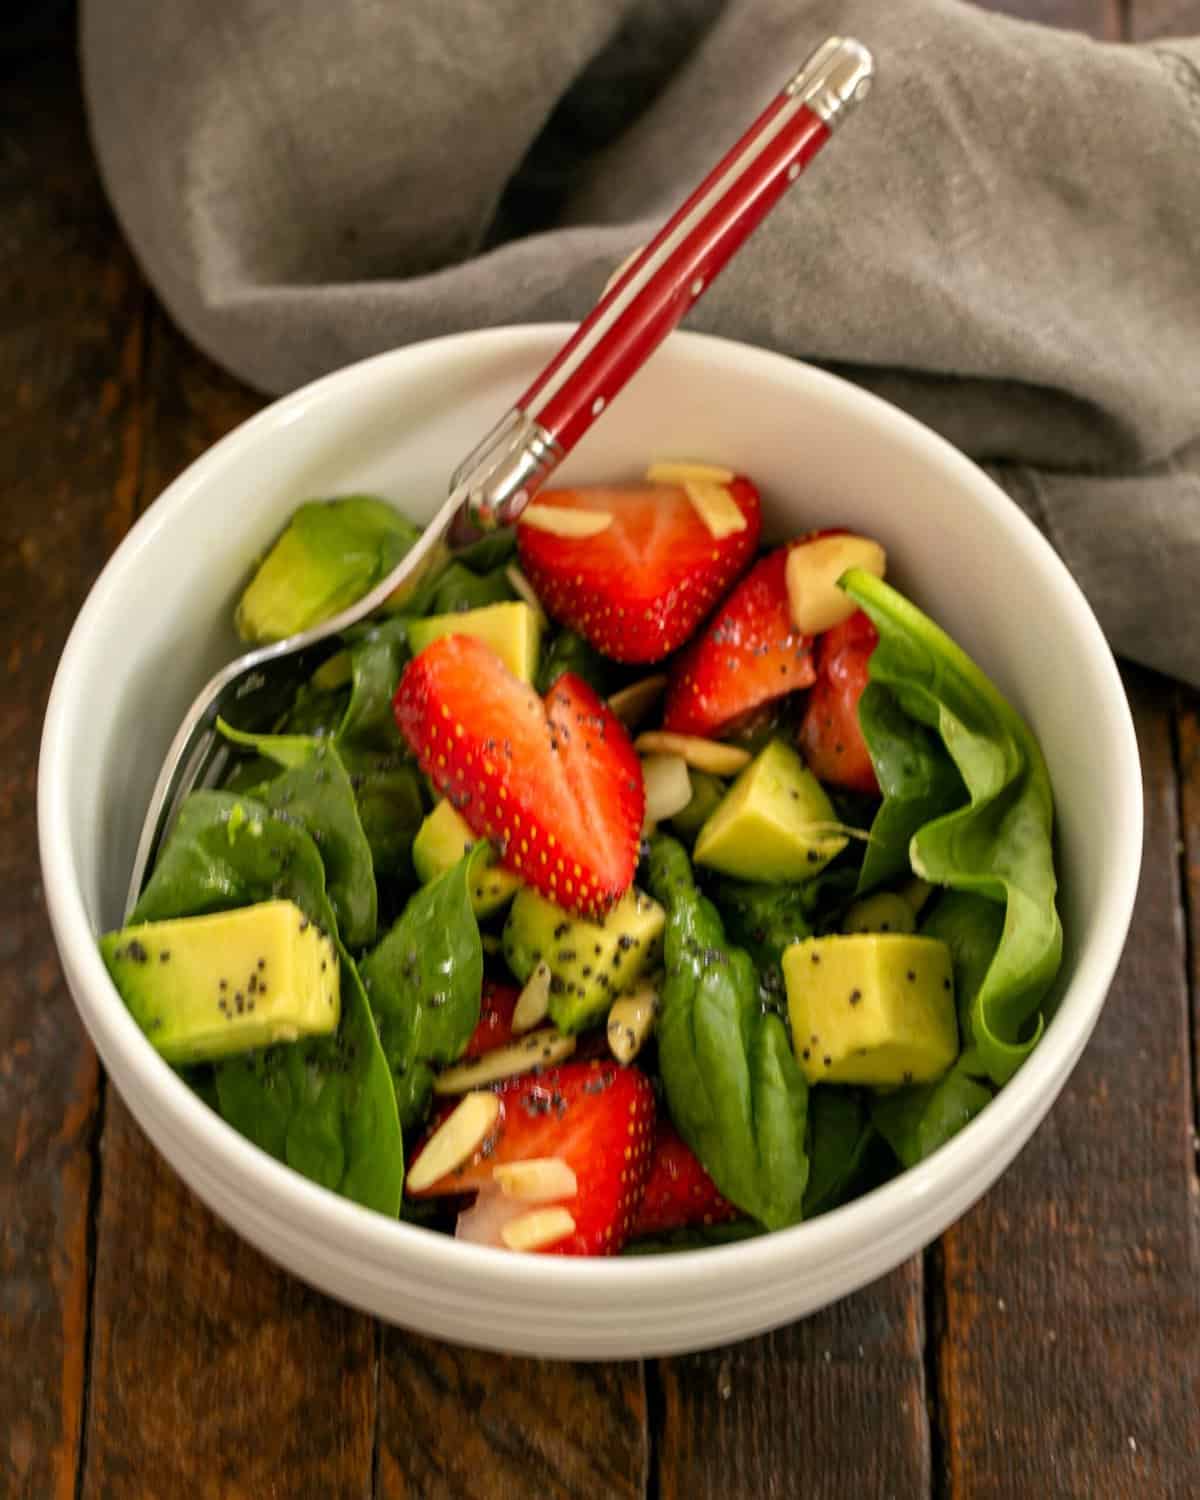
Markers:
point(202, 988)
point(330, 554)
point(441, 841)
point(873, 1008)
point(513, 631)
point(774, 823)
point(885, 911)
point(707, 791)
point(590, 963)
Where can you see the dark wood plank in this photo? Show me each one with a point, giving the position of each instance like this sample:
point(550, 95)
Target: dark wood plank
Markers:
point(1070, 1364)
point(475, 1426)
point(1188, 753)
point(70, 354)
point(830, 1407)
point(212, 1371)
point(1099, 18)
point(1163, 18)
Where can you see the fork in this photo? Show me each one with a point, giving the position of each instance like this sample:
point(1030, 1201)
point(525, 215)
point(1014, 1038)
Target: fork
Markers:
point(649, 295)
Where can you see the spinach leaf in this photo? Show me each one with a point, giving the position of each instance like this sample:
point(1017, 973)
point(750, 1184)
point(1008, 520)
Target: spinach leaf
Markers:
point(569, 652)
point(918, 780)
point(424, 982)
point(315, 713)
point(839, 1133)
point(916, 1121)
point(971, 927)
point(697, 1237)
point(492, 551)
point(733, 1088)
point(459, 589)
point(378, 655)
point(314, 790)
point(999, 844)
point(387, 787)
point(764, 920)
point(326, 1104)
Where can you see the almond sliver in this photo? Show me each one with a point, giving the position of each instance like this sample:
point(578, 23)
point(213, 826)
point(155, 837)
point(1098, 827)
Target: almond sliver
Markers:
point(524, 590)
point(533, 1231)
point(630, 1021)
point(671, 472)
point(455, 1140)
point(559, 521)
point(634, 702)
point(668, 786)
point(814, 600)
point(534, 1000)
point(700, 754)
point(716, 507)
point(540, 1179)
point(533, 1051)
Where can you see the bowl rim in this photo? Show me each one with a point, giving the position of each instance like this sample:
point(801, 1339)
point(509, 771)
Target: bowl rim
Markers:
point(883, 1214)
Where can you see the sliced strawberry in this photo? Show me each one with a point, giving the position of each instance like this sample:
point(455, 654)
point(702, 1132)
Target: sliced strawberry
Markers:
point(829, 734)
point(596, 1117)
point(494, 1028)
point(750, 653)
point(556, 785)
point(638, 589)
point(679, 1192)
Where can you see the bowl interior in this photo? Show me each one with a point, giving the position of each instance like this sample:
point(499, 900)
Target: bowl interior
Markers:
point(823, 454)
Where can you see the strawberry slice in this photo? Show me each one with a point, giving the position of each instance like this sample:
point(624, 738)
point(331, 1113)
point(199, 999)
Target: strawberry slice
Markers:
point(598, 1119)
point(555, 784)
point(749, 654)
point(679, 1192)
point(638, 589)
point(829, 735)
point(494, 1027)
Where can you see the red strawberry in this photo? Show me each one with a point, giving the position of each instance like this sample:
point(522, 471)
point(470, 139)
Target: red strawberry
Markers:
point(596, 1117)
point(494, 1028)
point(829, 734)
point(678, 1192)
point(556, 785)
point(749, 654)
point(638, 589)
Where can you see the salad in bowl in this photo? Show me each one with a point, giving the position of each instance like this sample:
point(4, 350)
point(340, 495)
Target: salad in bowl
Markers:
point(639, 885)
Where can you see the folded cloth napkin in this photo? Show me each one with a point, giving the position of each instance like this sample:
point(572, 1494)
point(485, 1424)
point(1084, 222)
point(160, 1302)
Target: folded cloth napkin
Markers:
point(1006, 241)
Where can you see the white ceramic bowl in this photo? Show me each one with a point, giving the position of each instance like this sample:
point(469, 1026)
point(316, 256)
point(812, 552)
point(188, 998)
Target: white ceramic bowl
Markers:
point(157, 623)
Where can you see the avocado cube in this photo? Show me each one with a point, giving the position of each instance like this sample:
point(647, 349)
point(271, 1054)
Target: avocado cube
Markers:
point(203, 988)
point(329, 555)
point(872, 1008)
point(513, 631)
point(590, 962)
point(775, 822)
point(441, 841)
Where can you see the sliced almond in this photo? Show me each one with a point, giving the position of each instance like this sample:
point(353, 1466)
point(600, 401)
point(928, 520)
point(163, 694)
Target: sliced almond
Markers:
point(540, 1179)
point(716, 507)
point(668, 786)
point(533, 1231)
point(559, 521)
point(633, 703)
point(813, 569)
point(700, 754)
point(536, 1050)
point(630, 1021)
point(533, 1002)
point(673, 472)
point(455, 1140)
point(524, 590)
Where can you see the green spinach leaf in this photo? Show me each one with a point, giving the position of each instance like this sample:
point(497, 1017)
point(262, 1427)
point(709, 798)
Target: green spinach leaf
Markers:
point(916, 1121)
point(378, 655)
point(387, 787)
point(424, 982)
point(315, 791)
point(733, 1088)
point(839, 1133)
point(918, 780)
point(569, 652)
point(459, 589)
point(999, 845)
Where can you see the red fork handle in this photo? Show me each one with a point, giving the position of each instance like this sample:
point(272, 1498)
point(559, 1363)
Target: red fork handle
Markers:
point(655, 290)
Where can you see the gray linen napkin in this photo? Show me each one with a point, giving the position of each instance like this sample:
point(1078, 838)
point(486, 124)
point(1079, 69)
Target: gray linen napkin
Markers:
point(1006, 243)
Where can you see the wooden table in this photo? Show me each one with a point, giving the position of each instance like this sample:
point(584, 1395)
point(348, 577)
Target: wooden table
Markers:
point(1049, 1345)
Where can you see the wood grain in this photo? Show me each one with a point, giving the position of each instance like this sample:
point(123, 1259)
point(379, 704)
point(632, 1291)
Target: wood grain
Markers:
point(213, 1373)
point(1070, 1364)
point(1187, 719)
point(70, 357)
point(1098, 18)
point(1163, 18)
point(830, 1407)
point(474, 1426)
